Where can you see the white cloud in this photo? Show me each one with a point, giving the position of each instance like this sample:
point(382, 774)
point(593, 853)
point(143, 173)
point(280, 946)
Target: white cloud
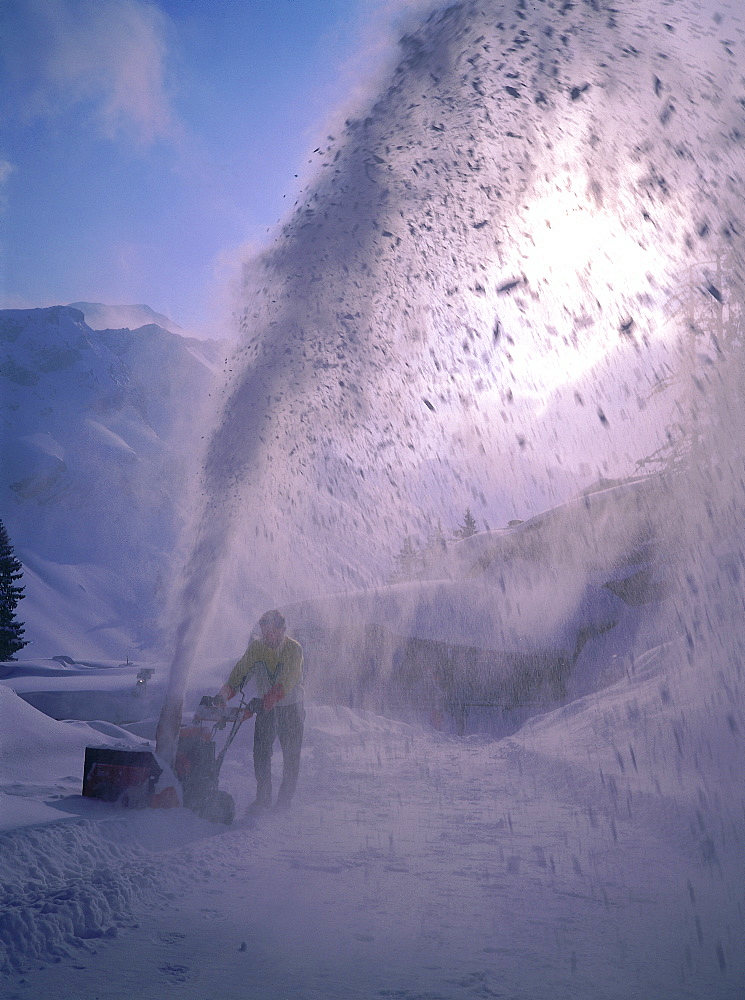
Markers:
point(108, 57)
point(6, 169)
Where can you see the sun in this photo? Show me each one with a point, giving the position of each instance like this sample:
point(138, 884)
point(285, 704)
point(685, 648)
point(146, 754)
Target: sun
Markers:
point(586, 279)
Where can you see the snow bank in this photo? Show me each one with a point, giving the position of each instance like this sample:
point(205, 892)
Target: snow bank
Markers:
point(41, 757)
point(654, 733)
point(62, 887)
point(67, 884)
point(71, 868)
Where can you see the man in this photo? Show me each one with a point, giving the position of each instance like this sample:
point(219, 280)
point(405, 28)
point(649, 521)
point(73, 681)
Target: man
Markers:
point(276, 663)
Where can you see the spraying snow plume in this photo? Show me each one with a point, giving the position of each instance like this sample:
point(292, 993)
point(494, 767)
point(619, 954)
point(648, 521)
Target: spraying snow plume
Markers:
point(474, 299)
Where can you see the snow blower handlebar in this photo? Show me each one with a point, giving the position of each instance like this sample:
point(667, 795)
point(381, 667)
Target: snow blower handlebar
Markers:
point(214, 709)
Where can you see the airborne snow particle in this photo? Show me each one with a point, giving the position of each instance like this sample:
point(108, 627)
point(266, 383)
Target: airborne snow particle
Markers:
point(720, 957)
point(666, 114)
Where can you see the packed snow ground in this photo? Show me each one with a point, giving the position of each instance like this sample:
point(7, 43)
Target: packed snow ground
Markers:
point(557, 862)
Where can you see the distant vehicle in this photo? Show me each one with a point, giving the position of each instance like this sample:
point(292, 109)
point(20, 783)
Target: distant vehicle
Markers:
point(143, 676)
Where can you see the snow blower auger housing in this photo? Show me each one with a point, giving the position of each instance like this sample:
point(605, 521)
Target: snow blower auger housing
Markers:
point(197, 764)
point(126, 777)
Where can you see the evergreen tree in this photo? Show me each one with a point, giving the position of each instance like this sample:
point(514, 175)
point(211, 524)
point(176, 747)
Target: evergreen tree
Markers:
point(468, 527)
point(11, 630)
point(709, 312)
point(408, 562)
point(436, 542)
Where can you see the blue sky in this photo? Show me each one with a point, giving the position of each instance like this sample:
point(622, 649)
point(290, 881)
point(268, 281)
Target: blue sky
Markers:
point(143, 144)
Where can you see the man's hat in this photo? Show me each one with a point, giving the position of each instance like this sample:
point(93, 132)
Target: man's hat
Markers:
point(272, 619)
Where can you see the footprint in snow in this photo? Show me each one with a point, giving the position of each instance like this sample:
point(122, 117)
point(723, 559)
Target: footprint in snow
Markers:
point(178, 974)
point(169, 937)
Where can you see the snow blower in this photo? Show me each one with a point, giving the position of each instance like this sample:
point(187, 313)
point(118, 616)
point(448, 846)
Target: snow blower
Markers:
point(129, 777)
point(197, 764)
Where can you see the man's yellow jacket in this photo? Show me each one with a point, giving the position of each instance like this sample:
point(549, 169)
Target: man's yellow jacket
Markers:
point(269, 667)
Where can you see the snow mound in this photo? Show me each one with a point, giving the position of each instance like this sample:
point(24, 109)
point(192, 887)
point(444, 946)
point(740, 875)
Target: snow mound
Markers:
point(74, 882)
point(69, 879)
point(651, 732)
point(36, 753)
point(62, 887)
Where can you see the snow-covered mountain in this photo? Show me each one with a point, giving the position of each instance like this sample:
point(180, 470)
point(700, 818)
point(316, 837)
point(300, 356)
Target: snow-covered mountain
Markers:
point(101, 432)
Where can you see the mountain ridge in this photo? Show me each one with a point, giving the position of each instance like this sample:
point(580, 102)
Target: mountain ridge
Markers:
point(102, 316)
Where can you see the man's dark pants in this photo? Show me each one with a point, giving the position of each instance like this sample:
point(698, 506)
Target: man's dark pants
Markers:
point(286, 722)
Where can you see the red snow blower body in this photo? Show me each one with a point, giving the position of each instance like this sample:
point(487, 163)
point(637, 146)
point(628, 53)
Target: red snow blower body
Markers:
point(129, 777)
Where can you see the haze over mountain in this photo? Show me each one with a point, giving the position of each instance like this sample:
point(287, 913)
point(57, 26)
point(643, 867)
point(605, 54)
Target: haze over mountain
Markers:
point(100, 316)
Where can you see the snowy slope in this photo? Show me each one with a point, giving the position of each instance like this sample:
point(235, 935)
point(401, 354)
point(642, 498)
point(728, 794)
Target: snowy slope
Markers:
point(100, 434)
point(500, 621)
point(40, 759)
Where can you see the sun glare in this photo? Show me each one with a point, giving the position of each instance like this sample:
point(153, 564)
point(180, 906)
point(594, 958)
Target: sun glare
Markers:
point(583, 276)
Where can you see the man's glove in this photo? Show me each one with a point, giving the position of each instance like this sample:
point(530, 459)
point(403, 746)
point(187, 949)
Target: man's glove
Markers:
point(273, 695)
point(256, 705)
point(225, 693)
